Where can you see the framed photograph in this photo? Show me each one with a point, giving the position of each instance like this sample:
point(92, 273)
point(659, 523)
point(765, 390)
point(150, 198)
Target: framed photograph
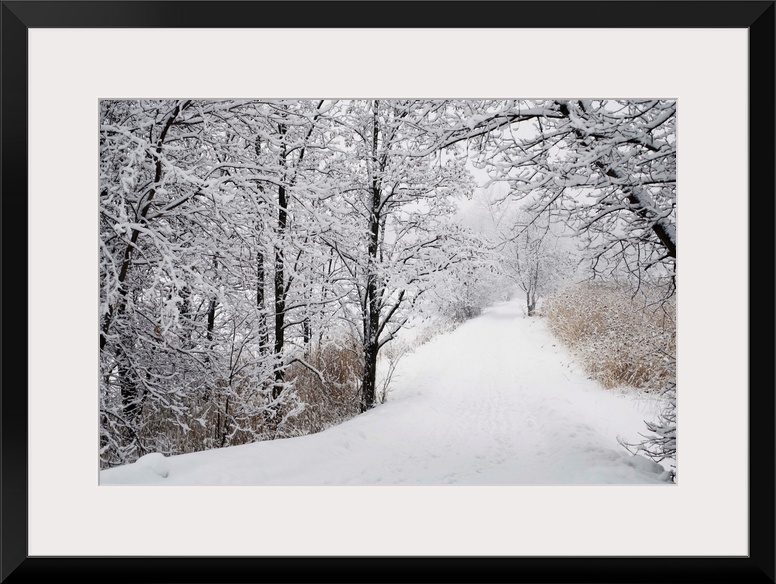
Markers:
point(69, 69)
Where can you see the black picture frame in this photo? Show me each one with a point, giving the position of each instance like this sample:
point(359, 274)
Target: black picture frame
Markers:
point(758, 17)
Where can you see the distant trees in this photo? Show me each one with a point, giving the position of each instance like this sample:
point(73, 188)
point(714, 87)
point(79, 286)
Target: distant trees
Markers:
point(533, 251)
point(618, 158)
point(608, 167)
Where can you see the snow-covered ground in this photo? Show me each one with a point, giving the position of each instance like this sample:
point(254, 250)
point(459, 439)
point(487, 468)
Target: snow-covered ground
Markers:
point(495, 402)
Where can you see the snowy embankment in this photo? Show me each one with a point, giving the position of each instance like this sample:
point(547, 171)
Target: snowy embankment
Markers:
point(496, 402)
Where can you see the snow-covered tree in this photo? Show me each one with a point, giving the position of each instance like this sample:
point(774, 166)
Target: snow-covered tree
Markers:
point(608, 165)
point(536, 253)
point(397, 201)
point(152, 312)
point(243, 239)
point(235, 233)
point(195, 200)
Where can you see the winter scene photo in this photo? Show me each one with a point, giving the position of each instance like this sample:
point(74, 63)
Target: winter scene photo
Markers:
point(387, 292)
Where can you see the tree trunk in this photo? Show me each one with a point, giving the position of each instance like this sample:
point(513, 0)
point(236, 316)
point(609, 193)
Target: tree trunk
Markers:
point(211, 319)
point(372, 300)
point(260, 306)
point(370, 344)
point(306, 332)
point(130, 392)
point(368, 381)
point(225, 426)
point(280, 280)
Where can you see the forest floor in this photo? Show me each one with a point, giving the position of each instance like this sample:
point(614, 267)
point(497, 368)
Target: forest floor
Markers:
point(497, 401)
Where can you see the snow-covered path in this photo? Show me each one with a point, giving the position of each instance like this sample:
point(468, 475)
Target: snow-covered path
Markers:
point(493, 402)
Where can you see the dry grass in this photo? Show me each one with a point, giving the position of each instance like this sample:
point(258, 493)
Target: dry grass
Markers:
point(320, 394)
point(322, 391)
point(327, 386)
point(205, 420)
point(621, 340)
point(429, 333)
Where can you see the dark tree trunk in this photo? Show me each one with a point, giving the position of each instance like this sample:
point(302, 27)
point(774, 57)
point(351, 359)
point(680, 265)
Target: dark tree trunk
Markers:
point(306, 332)
point(368, 381)
point(211, 319)
point(280, 313)
point(225, 426)
point(372, 299)
point(260, 306)
point(280, 280)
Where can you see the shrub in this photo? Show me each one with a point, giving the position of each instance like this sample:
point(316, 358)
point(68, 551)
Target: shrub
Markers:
point(621, 337)
point(202, 419)
point(660, 443)
point(326, 381)
point(320, 393)
point(388, 360)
